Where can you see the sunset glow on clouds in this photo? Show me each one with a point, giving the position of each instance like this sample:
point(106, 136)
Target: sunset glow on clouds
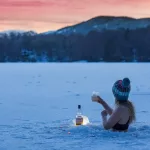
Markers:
point(45, 15)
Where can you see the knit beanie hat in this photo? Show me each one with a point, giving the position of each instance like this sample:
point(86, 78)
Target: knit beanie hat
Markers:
point(121, 89)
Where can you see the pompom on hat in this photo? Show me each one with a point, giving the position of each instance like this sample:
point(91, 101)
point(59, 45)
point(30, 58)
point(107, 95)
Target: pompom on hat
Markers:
point(121, 89)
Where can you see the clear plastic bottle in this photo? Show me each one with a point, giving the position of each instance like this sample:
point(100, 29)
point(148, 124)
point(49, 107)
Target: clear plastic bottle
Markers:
point(79, 117)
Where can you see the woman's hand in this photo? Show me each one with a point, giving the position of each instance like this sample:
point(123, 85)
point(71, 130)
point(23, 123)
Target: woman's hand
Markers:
point(97, 99)
point(104, 113)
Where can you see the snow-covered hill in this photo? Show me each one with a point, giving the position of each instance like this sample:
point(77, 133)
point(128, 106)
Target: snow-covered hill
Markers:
point(104, 23)
point(99, 23)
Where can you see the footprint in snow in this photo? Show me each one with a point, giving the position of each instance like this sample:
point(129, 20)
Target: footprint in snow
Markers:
point(77, 94)
point(144, 111)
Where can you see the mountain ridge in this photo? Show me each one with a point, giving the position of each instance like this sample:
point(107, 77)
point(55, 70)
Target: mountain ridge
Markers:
point(98, 23)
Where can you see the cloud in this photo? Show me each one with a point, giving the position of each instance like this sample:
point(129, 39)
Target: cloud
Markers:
point(42, 3)
point(74, 4)
point(40, 18)
point(25, 3)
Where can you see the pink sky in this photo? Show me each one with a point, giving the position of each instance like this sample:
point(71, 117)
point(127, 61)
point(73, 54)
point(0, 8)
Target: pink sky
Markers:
point(45, 15)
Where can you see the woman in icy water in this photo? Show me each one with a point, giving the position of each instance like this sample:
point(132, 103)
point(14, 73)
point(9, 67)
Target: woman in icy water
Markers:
point(124, 113)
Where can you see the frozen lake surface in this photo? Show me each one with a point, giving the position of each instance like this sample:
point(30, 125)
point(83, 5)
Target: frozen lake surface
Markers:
point(39, 101)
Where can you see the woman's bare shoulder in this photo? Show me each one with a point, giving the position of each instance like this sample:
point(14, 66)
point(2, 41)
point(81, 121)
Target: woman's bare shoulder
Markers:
point(121, 108)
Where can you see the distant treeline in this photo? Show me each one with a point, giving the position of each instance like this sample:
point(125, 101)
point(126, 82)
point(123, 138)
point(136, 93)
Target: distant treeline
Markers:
point(108, 45)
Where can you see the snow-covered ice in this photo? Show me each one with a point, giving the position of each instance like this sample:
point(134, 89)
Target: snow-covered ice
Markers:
point(38, 103)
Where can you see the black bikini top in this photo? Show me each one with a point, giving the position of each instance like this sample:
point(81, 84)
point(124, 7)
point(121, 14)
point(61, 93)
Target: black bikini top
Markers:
point(121, 127)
